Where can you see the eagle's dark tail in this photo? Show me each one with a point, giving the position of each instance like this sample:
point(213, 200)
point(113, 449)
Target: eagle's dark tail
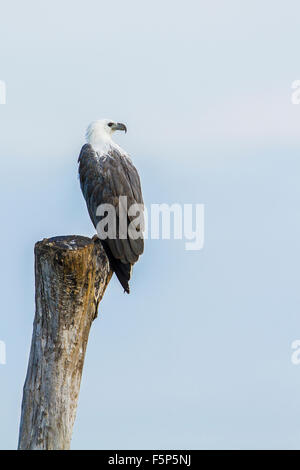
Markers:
point(123, 271)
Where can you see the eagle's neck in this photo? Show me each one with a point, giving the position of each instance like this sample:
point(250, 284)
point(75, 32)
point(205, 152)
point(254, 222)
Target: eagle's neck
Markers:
point(103, 143)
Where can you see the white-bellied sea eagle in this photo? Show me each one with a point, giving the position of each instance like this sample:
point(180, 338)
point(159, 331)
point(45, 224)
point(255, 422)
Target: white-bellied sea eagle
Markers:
point(106, 173)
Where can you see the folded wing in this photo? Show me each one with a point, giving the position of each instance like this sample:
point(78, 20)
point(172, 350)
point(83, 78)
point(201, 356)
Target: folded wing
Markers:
point(103, 179)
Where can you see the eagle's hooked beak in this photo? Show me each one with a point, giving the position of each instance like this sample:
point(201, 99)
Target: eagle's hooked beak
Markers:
point(119, 127)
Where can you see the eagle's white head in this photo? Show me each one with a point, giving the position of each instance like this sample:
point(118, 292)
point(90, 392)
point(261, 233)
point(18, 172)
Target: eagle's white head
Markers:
point(99, 134)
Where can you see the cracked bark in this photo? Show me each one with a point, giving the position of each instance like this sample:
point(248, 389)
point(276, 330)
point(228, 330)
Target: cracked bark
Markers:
point(71, 275)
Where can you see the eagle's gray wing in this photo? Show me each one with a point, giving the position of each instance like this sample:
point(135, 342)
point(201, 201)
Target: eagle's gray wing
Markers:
point(103, 179)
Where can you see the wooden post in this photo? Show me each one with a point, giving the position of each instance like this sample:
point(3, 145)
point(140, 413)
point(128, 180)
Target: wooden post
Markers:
point(71, 275)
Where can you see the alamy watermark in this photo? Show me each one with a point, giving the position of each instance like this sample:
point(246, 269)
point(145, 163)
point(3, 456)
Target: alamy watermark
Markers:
point(295, 97)
point(2, 92)
point(177, 221)
point(295, 357)
point(2, 353)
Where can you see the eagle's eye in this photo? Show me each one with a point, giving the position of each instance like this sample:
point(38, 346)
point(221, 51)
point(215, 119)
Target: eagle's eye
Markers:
point(110, 124)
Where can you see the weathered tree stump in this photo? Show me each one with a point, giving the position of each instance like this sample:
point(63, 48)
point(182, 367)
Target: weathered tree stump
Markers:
point(71, 274)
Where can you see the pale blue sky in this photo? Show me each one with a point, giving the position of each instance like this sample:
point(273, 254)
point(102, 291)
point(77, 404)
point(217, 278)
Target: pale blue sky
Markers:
point(199, 355)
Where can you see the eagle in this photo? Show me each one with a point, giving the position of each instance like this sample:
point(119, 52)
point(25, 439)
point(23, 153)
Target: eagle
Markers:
point(106, 174)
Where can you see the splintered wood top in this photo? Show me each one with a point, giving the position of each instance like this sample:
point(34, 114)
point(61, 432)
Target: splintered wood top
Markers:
point(67, 242)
